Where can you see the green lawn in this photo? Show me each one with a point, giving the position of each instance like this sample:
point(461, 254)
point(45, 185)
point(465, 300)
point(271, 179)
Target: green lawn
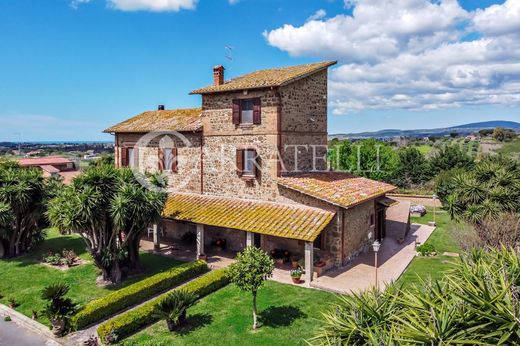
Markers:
point(23, 278)
point(443, 239)
point(289, 315)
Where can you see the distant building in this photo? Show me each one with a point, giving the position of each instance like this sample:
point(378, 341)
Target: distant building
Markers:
point(52, 166)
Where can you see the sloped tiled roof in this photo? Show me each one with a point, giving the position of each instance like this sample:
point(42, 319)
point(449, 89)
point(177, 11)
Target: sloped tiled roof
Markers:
point(166, 120)
point(274, 77)
point(342, 189)
point(43, 161)
point(276, 219)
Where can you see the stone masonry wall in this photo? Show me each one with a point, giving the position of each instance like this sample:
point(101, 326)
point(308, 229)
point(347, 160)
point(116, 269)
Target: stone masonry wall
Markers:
point(222, 138)
point(187, 177)
point(358, 230)
point(304, 123)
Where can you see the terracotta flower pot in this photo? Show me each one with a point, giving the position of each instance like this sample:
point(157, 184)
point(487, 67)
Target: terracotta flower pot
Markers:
point(296, 280)
point(58, 327)
point(320, 264)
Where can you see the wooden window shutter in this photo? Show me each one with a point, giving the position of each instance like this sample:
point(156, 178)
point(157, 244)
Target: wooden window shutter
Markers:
point(257, 113)
point(236, 112)
point(174, 160)
point(240, 162)
point(124, 157)
point(160, 158)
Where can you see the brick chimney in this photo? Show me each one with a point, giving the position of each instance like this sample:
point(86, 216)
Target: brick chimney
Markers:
point(218, 75)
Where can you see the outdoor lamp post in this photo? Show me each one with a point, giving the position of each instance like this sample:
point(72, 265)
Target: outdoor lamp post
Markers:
point(376, 245)
point(434, 197)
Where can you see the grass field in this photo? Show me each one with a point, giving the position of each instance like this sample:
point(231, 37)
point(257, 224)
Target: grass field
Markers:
point(511, 149)
point(443, 239)
point(23, 278)
point(289, 315)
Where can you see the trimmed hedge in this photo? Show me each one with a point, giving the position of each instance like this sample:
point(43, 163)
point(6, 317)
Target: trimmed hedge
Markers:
point(136, 293)
point(131, 321)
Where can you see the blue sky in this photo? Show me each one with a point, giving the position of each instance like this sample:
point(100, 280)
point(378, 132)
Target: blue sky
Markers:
point(70, 69)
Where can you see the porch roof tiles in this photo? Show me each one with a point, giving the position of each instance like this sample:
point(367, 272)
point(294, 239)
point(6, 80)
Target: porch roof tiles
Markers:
point(342, 189)
point(276, 219)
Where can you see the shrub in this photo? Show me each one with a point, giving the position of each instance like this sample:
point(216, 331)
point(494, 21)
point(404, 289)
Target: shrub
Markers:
point(136, 293)
point(476, 303)
point(131, 321)
point(174, 307)
point(426, 249)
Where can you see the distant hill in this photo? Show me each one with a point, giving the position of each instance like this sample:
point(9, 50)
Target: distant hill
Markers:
point(461, 129)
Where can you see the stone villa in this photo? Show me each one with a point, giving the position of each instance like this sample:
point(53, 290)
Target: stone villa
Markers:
point(249, 168)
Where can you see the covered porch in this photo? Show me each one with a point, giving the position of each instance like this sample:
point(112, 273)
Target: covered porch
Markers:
point(216, 228)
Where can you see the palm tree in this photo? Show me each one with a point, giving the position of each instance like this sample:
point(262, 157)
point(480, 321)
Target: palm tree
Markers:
point(173, 308)
point(59, 309)
point(485, 192)
point(110, 210)
point(22, 204)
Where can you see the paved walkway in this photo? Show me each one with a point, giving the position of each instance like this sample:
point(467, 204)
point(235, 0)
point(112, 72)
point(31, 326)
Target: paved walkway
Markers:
point(393, 260)
point(12, 334)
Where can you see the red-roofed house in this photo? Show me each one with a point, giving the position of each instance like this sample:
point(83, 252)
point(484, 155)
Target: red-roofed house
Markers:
point(249, 168)
point(52, 166)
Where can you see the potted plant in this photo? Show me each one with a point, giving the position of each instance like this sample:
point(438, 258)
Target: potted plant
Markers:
point(173, 308)
point(318, 262)
point(34, 315)
point(295, 262)
point(296, 274)
point(203, 257)
point(59, 309)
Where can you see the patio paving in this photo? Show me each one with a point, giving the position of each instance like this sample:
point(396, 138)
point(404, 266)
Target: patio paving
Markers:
point(393, 258)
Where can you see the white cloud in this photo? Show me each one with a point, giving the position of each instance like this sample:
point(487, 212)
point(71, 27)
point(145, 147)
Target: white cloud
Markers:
point(321, 13)
point(499, 19)
point(153, 5)
point(76, 3)
point(232, 2)
point(413, 54)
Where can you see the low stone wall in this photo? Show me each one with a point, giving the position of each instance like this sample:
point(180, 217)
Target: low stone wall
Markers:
point(427, 201)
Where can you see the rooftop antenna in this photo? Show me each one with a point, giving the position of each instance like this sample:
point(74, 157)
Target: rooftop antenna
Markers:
point(229, 52)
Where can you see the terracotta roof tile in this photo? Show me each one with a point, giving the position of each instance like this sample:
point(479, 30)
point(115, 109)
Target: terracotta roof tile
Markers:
point(274, 77)
point(276, 219)
point(337, 188)
point(42, 161)
point(166, 120)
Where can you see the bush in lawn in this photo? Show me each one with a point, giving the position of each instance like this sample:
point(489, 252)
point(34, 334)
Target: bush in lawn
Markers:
point(131, 295)
point(133, 320)
point(425, 249)
point(174, 306)
point(476, 303)
point(252, 267)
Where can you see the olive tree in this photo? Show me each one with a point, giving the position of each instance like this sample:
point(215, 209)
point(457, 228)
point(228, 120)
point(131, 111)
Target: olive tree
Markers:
point(252, 267)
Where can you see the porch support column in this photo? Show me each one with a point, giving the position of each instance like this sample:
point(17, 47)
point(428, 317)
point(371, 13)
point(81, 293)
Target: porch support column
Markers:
point(249, 239)
point(309, 257)
point(200, 240)
point(156, 240)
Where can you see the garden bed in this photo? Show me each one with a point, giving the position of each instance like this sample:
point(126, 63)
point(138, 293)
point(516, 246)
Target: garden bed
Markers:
point(24, 277)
